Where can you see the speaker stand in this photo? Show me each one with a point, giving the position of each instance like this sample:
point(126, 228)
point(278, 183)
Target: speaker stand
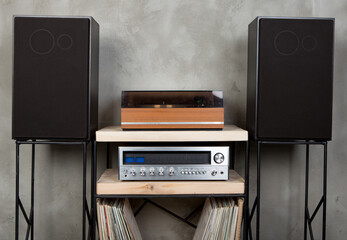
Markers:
point(323, 201)
point(30, 219)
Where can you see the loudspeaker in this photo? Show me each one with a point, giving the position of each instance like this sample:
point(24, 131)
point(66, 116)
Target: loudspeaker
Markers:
point(55, 77)
point(290, 78)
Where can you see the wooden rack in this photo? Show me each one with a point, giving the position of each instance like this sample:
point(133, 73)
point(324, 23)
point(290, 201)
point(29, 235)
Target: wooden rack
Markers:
point(108, 185)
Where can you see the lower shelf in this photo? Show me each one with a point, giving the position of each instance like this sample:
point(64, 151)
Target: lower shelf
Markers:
point(109, 184)
point(220, 219)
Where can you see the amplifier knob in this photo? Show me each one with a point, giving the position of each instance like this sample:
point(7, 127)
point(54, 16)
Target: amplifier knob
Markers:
point(218, 158)
point(151, 171)
point(171, 171)
point(143, 172)
point(214, 172)
point(161, 171)
point(132, 172)
point(189, 173)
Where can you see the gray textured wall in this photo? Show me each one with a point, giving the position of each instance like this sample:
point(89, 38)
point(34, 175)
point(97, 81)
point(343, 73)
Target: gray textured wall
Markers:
point(174, 45)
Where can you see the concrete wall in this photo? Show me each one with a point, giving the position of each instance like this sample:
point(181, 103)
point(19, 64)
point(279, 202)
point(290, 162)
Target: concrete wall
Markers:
point(174, 45)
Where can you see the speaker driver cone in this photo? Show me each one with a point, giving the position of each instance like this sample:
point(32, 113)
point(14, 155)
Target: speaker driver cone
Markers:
point(286, 42)
point(309, 43)
point(41, 41)
point(64, 42)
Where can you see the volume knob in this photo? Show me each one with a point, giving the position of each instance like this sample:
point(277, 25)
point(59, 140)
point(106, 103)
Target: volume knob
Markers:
point(143, 172)
point(218, 158)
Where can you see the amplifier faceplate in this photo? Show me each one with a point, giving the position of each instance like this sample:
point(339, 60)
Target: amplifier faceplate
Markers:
point(173, 163)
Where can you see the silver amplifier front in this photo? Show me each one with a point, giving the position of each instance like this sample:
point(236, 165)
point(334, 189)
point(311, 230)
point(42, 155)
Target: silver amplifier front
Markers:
point(173, 163)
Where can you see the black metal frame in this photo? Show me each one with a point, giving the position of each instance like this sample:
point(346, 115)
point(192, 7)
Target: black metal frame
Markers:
point(94, 195)
point(19, 205)
point(308, 218)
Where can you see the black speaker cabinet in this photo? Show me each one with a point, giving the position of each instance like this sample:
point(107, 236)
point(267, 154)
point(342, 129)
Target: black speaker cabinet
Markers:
point(55, 77)
point(290, 78)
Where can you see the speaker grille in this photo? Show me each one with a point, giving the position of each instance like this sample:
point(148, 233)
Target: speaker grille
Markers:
point(292, 77)
point(51, 78)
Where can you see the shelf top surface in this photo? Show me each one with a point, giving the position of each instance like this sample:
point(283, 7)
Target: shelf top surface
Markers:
point(115, 134)
point(108, 184)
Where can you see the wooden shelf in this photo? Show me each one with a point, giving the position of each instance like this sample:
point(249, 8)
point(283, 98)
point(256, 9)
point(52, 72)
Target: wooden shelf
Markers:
point(230, 133)
point(109, 184)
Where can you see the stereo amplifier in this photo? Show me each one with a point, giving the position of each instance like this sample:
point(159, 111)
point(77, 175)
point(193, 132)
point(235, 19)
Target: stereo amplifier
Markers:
point(173, 163)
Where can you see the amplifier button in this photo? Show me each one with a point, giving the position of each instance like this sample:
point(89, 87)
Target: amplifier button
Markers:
point(182, 172)
point(214, 172)
point(151, 171)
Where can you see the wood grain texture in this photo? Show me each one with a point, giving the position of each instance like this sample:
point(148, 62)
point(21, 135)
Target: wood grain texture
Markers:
point(116, 134)
point(172, 114)
point(173, 126)
point(149, 115)
point(109, 184)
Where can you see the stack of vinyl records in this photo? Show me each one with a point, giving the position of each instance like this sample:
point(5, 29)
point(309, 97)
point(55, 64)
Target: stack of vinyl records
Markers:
point(220, 219)
point(116, 220)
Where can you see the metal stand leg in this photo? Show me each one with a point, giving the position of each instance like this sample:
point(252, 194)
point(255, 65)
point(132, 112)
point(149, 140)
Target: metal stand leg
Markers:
point(258, 190)
point(93, 189)
point(92, 194)
point(246, 204)
point(325, 189)
point(17, 191)
point(84, 190)
point(32, 190)
point(307, 216)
